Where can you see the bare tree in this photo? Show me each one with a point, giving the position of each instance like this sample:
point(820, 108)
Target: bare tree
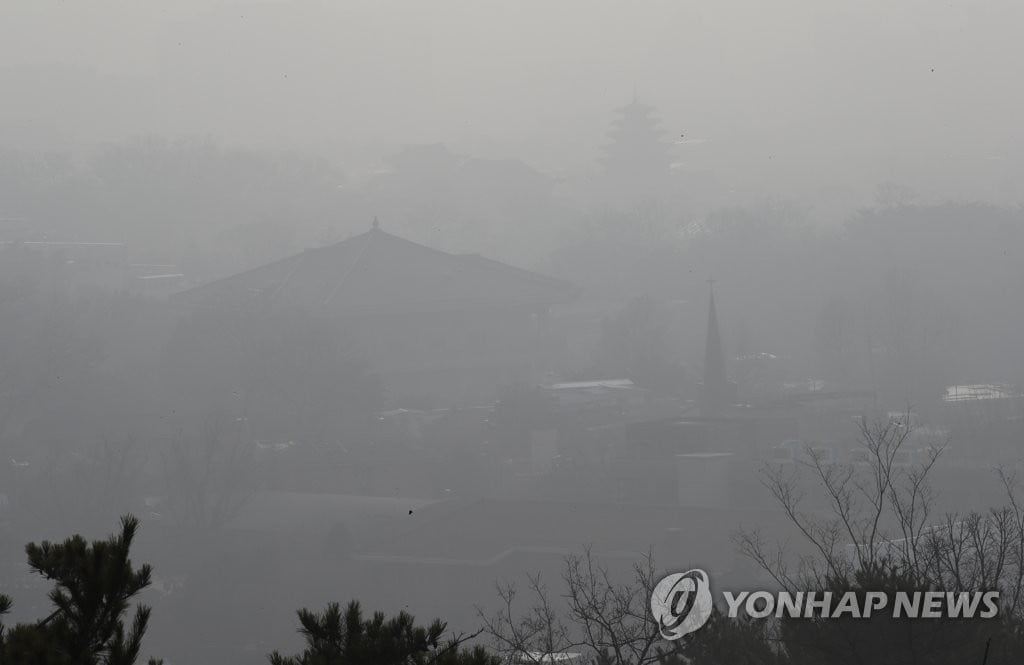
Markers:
point(208, 479)
point(862, 498)
point(876, 529)
point(607, 621)
point(880, 520)
point(90, 482)
point(534, 633)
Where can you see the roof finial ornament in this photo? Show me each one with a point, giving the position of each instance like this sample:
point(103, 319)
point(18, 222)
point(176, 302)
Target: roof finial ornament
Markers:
point(376, 222)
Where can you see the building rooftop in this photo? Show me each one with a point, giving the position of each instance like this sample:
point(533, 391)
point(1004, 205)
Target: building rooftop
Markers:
point(381, 272)
point(978, 391)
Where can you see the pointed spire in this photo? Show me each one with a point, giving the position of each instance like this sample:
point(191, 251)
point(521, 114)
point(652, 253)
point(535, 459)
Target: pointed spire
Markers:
point(376, 222)
point(717, 390)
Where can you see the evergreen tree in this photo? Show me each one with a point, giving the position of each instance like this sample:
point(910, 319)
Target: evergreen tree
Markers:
point(740, 641)
point(335, 637)
point(93, 586)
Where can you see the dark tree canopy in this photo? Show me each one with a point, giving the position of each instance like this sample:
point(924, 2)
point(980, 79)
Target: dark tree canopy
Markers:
point(336, 637)
point(93, 586)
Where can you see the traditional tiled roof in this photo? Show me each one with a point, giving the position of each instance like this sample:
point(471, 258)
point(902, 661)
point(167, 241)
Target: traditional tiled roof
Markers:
point(380, 272)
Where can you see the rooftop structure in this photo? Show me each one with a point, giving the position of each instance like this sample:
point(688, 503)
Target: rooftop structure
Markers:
point(377, 272)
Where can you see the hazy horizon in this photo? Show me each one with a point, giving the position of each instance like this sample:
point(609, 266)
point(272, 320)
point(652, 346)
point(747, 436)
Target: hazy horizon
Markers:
point(412, 304)
point(791, 100)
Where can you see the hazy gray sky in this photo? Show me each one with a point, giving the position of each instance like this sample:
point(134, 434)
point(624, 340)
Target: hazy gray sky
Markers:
point(796, 97)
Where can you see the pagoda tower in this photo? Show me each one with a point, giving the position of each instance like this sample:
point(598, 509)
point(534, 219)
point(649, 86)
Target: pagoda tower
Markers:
point(637, 159)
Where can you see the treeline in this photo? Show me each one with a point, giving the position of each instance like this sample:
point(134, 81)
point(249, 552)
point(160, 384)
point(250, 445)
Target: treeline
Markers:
point(901, 299)
point(96, 620)
point(879, 533)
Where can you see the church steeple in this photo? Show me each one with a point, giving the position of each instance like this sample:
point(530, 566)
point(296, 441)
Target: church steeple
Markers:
point(717, 391)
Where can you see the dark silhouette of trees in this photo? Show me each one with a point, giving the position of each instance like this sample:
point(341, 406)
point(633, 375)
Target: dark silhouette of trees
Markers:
point(603, 618)
point(871, 526)
point(880, 533)
point(93, 588)
point(209, 478)
point(880, 639)
point(336, 637)
point(722, 640)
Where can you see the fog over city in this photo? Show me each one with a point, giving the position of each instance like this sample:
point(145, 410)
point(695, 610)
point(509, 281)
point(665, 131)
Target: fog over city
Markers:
point(467, 332)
